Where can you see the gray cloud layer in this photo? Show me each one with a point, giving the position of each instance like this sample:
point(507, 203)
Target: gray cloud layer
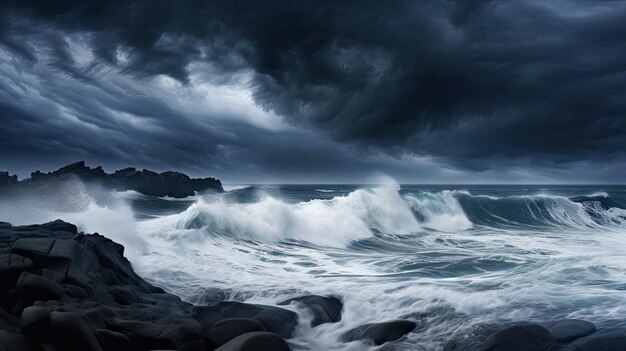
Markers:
point(453, 90)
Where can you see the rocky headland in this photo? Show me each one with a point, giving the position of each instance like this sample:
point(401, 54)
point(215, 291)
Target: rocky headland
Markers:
point(173, 184)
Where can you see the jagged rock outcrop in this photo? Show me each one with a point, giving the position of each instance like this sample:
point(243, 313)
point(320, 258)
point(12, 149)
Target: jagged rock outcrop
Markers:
point(172, 184)
point(6, 179)
point(64, 290)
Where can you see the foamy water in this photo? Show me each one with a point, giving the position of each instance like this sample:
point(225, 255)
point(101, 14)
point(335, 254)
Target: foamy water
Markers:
point(450, 258)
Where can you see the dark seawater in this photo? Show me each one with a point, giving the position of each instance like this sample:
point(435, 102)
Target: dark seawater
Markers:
point(449, 256)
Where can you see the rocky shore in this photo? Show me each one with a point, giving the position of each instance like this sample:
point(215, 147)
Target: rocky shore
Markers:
point(64, 290)
point(173, 184)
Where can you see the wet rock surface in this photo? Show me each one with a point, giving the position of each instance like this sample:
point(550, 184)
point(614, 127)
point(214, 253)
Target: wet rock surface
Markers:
point(324, 309)
point(564, 335)
point(380, 333)
point(568, 330)
point(64, 290)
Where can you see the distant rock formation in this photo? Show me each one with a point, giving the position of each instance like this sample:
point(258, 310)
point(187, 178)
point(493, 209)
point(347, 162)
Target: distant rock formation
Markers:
point(172, 184)
point(6, 179)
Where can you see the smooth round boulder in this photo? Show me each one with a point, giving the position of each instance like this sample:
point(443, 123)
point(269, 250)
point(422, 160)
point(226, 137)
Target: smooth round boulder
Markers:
point(255, 341)
point(614, 340)
point(35, 320)
point(523, 337)
point(568, 330)
point(229, 328)
point(325, 309)
point(278, 320)
point(380, 333)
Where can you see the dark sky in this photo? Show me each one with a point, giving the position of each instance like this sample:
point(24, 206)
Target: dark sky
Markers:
point(446, 91)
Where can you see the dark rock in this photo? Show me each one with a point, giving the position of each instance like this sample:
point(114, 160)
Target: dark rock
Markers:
point(144, 336)
point(568, 330)
point(229, 328)
point(173, 184)
point(73, 291)
point(36, 249)
point(523, 337)
point(38, 288)
point(111, 340)
point(60, 226)
point(255, 341)
point(71, 331)
point(13, 342)
point(6, 179)
point(274, 319)
point(206, 316)
point(35, 319)
point(11, 266)
point(380, 333)
point(325, 309)
point(614, 340)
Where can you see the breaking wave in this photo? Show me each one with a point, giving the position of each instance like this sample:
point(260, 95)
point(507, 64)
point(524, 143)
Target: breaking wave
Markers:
point(333, 222)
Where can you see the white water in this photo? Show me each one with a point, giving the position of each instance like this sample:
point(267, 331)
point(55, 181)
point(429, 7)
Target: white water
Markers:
point(388, 256)
point(335, 222)
point(91, 210)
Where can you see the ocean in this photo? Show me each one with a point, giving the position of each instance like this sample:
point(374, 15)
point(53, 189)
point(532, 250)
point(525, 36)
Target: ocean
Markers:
point(452, 257)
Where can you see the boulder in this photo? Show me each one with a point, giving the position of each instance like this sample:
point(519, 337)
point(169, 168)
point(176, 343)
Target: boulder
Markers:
point(380, 333)
point(280, 321)
point(71, 332)
point(256, 341)
point(229, 328)
point(523, 337)
point(612, 340)
point(206, 316)
point(35, 319)
point(34, 287)
point(11, 266)
point(568, 330)
point(324, 309)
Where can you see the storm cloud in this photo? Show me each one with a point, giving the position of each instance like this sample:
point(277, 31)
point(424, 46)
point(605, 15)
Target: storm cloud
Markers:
point(426, 90)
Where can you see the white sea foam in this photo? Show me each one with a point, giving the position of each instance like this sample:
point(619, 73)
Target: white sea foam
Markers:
point(233, 187)
point(325, 190)
point(441, 211)
point(599, 194)
point(334, 222)
point(91, 210)
point(461, 277)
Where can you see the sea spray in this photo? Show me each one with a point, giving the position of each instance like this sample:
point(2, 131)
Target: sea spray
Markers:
point(91, 209)
point(334, 222)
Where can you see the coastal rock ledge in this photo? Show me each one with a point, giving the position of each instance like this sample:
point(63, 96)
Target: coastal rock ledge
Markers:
point(68, 291)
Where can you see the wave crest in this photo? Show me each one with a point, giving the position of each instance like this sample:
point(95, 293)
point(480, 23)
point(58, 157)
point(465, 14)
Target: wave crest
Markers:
point(333, 222)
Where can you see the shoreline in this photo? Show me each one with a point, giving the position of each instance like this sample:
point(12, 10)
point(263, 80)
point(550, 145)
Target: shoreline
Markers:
point(57, 281)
